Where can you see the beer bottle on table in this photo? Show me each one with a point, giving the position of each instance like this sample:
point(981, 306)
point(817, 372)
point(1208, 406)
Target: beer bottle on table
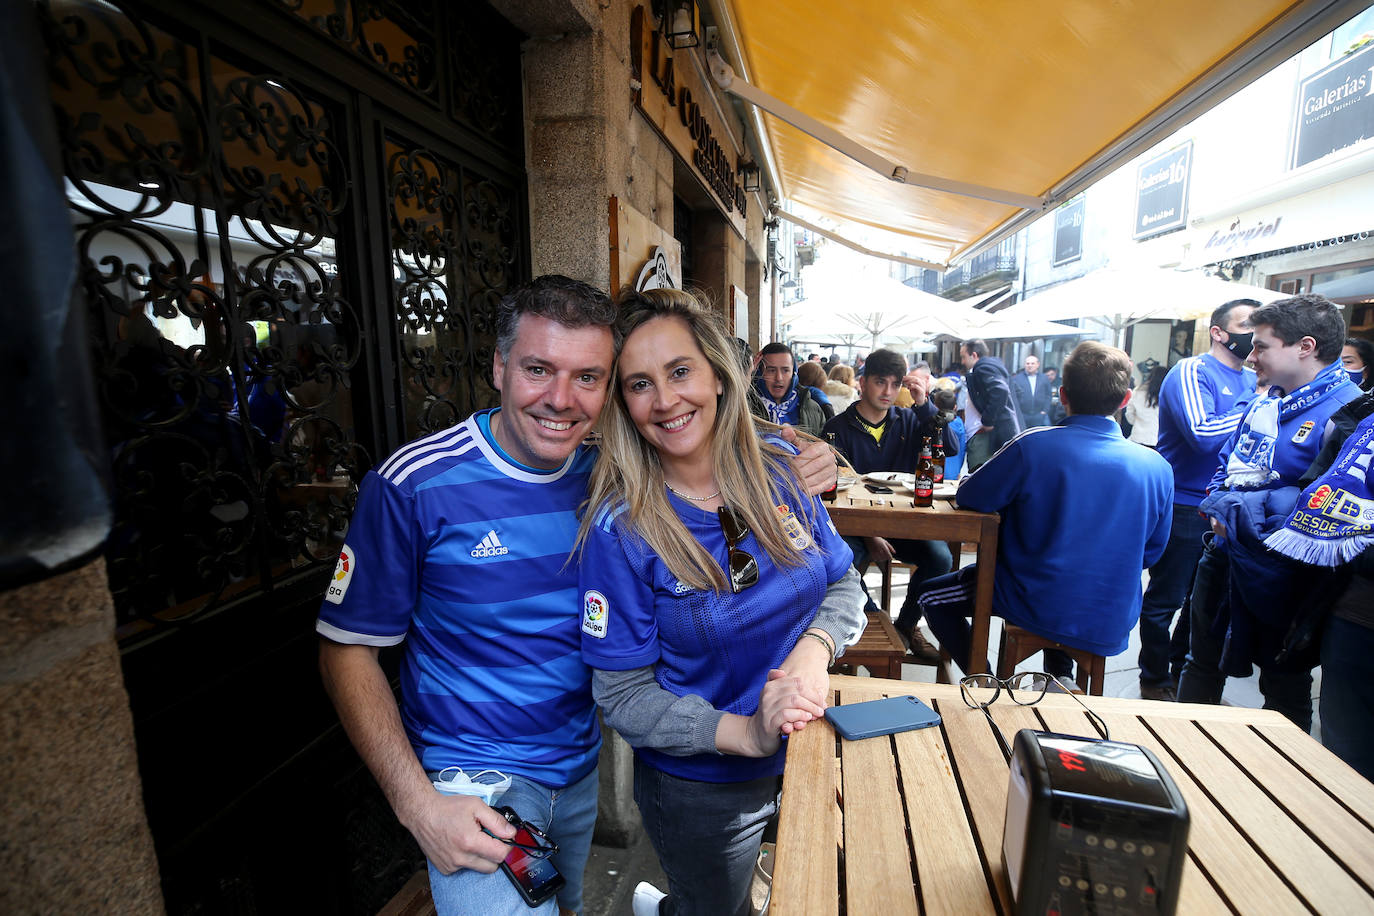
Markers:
point(939, 455)
point(925, 477)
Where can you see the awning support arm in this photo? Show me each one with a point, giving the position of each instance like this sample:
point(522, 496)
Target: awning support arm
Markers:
point(855, 246)
point(725, 77)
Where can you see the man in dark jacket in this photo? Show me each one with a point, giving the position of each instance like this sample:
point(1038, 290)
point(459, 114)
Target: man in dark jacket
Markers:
point(780, 398)
point(1031, 391)
point(991, 414)
point(873, 434)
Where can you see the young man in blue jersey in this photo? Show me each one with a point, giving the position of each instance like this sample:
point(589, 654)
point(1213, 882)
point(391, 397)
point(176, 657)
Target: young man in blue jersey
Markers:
point(1243, 599)
point(459, 551)
point(1200, 405)
point(1083, 512)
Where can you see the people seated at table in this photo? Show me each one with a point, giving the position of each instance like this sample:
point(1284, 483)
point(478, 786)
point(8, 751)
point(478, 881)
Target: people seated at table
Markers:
point(919, 374)
point(780, 398)
point(814, 378)
point(944, 397)
point(716, 594)
point(1083, 512)
point(840, 387)
point(875, 435)
point(1244, 598)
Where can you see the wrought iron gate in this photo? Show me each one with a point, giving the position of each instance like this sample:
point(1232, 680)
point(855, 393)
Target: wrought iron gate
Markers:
point(294, 219)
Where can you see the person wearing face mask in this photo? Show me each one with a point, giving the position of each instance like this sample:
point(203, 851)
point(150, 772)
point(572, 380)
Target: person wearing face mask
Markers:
point(1357, 358)
point(1244, 597)
point(1201, 403)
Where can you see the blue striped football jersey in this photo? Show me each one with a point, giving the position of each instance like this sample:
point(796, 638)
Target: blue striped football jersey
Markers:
point(460, 554)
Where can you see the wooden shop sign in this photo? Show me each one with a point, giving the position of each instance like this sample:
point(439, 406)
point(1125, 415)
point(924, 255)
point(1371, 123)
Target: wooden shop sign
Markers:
point(673, 95)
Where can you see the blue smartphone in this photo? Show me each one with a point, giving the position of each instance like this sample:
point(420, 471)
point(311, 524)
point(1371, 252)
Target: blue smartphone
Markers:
point(881, 717)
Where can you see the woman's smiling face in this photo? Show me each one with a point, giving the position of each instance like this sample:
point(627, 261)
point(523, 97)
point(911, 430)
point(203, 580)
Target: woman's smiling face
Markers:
point(670, 390)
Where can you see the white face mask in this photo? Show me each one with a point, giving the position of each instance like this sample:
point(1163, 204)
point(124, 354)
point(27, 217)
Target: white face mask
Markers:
point(488, 785)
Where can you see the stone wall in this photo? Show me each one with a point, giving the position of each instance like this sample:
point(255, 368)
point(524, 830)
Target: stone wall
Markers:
point(75, 839)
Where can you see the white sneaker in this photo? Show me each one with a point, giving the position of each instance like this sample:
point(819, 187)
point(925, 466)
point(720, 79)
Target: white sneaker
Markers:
point(1069, 684)
point(646, 898)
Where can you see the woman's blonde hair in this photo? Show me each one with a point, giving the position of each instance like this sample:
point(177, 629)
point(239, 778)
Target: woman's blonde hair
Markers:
point(749, 470)
point(842, 373)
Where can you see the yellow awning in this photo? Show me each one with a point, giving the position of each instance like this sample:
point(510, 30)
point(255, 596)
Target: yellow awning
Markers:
point(1040, 97)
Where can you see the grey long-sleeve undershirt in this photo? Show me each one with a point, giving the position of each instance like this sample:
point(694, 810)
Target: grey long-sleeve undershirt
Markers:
point(647, 715)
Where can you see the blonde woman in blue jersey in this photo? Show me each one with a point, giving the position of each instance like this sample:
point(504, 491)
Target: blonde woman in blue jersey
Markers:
point(716, 594)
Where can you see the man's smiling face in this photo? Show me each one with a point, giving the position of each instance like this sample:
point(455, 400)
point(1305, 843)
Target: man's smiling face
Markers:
point(553, 386)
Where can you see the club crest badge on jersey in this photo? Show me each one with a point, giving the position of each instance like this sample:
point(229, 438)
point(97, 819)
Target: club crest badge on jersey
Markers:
point(792, 527)
point(595, 610)
point(1303, 432)
point(343, 574)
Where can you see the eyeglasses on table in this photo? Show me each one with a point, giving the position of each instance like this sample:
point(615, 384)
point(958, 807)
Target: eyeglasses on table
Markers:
point(1024, 688)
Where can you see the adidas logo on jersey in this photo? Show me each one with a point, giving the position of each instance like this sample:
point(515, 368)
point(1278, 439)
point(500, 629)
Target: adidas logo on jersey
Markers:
point(490, 547)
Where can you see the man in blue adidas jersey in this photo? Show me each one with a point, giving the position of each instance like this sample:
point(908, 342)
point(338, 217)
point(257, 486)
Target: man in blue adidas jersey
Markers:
point(458, 551)
point(1083, 512)
point(1200, 406)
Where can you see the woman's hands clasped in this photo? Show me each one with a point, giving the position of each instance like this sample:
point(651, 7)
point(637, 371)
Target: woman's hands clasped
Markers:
point(786, 703)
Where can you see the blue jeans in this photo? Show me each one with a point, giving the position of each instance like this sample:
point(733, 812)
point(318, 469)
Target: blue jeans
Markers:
point(1347, 701)
point(932, 558)
point(567, 815)
point(1289, 692)
point(707, 837)
point(1161, 658)
point(947, 603)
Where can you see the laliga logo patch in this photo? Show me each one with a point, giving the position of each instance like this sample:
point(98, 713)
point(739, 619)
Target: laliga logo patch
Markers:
point(791, 527)
point(594, 612)
point(343, 574)
point(1303, 432)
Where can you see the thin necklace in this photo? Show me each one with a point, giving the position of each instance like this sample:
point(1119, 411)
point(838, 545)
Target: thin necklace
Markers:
point(699, 499)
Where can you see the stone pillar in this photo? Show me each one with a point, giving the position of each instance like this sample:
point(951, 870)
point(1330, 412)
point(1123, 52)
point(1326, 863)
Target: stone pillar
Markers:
point(580, 150)
point(75, 836)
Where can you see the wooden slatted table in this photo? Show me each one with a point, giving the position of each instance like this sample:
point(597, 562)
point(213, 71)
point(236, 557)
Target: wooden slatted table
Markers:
point(912, 823)
point(858, 513)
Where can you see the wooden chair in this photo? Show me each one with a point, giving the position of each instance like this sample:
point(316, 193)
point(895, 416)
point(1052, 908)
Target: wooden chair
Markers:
point(887, 582)
point(879, 649)
point(1017, 645)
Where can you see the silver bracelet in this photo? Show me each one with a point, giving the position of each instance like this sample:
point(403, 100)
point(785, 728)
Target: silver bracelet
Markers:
point(825, 642)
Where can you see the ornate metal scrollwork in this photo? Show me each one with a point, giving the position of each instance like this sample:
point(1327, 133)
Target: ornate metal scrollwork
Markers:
point(206, 219)
point(446, 292)
point(395, 36)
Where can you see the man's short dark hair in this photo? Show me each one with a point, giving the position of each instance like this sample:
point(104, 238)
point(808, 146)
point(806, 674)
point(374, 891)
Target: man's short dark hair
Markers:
point(775, 347)
point(1096, 378)
point(1223, 311)
point(569, 302)
point(1308, 315)
point(977, 347)
point(885, 364)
